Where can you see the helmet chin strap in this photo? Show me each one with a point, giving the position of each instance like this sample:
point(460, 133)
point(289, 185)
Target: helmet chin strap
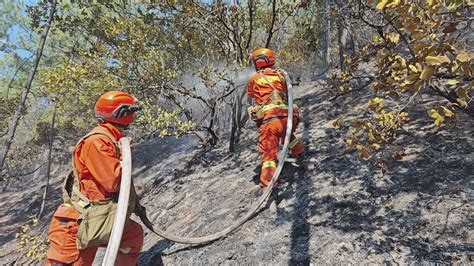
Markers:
point(120, 126)
point(124, 127)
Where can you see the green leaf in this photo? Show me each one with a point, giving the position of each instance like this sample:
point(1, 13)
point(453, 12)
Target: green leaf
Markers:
point(447, 112)
point(381, 4)
point(463, 93)
point(394, 3)
point(393, 37)
point(339, 122)
point(438, 121)
point(433, 60)
point(463, 57)
point(427, 72)
point(433, 113)
point(453, 82)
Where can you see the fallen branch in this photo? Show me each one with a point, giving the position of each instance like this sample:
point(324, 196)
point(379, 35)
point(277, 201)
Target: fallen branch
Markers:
point(452, 97)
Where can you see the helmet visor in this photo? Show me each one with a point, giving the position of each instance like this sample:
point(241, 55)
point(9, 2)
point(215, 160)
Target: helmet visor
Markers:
point(260, 56)
point(126, 109)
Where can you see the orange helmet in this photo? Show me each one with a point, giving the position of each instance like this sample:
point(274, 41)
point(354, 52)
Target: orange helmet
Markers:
point(117, 107)
point(262, 57)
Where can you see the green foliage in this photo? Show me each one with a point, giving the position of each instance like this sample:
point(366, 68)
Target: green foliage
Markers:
point(74, 88)
point(181, 59)
point(6, 111)
point(304, 38)
point(11, 14)
point(418, 47)
point(167, 123)
point(151, 50)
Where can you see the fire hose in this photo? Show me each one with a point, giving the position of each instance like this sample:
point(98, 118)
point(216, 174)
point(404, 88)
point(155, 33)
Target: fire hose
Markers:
point(120, 216)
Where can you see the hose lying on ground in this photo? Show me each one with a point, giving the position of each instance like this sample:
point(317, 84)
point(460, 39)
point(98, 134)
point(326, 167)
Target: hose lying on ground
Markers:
point(126, 175)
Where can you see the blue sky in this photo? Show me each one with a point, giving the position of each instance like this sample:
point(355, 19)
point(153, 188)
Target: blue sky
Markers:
point(16, 32)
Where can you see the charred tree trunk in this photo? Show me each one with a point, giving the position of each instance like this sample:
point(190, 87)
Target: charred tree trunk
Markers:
point(238, 121)
point(26, 88)
point(234, 125)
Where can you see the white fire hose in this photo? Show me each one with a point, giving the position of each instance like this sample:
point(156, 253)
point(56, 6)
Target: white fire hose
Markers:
point(120, 216)
point(122, 205)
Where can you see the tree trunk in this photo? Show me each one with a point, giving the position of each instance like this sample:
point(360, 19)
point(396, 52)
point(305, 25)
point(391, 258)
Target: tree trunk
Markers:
point(233, 125)
point(272, 25)
point(26, 88)
point(341, 42)
point(242, 120)
point(238, 121)
point(249, 40)
point(50, 157)
point(345, 38)
point(327, 36)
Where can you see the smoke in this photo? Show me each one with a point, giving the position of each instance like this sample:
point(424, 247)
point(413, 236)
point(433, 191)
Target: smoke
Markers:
point(212, 91)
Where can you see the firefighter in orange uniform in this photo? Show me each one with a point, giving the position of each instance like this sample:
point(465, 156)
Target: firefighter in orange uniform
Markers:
point(95, 182)
point(269, 89)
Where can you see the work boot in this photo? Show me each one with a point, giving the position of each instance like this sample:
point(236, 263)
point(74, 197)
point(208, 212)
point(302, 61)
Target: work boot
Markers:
point(266, 176)
point(273, 200)
point(297, 149)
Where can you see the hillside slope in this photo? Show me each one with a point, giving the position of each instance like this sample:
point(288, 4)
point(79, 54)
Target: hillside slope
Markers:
point(332, 207)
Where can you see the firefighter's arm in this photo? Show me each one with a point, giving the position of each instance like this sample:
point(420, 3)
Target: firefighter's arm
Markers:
point(250, 88)
point(102, 163)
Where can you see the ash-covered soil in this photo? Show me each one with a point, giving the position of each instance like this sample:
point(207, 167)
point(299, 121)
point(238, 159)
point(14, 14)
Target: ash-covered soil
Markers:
point(332, 207)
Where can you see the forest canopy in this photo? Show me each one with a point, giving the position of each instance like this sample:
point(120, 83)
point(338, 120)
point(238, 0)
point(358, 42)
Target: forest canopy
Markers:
point(186, 61)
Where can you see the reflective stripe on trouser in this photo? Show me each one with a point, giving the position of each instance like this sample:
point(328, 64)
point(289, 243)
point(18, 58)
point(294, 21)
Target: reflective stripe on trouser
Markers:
point(269, 164)
point(271, 134)
point(293, 143)
point(296, 147)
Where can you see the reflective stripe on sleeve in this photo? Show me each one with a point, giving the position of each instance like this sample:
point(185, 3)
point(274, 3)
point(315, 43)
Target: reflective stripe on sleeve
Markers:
point(271, 106)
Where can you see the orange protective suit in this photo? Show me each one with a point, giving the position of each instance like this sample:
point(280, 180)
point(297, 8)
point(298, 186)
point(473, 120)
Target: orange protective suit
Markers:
point(273, 125)
point(99, 172)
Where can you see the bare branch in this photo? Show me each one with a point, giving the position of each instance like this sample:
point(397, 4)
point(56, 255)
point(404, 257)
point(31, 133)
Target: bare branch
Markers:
point(270, 30)
point(250, 7)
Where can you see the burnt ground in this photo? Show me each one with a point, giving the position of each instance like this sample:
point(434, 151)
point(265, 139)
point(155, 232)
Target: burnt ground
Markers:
point(332, 207)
